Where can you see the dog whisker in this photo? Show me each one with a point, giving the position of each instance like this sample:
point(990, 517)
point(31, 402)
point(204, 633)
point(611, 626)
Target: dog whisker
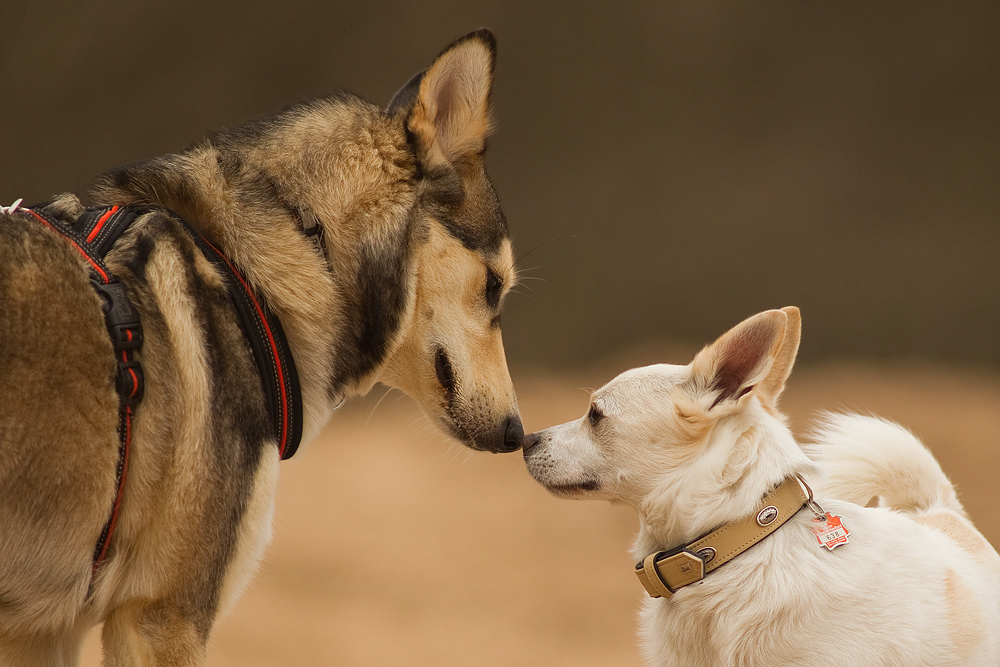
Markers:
point(544, 244)
point(521, 272)
point(371, 414)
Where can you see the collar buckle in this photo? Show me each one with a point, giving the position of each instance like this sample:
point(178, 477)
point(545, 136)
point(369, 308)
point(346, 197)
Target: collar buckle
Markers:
point(663, 572)
point(680, 567)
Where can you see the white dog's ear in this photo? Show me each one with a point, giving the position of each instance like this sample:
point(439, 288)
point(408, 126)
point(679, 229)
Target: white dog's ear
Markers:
point(771, 386)
point(755, 356)
point(448, 106)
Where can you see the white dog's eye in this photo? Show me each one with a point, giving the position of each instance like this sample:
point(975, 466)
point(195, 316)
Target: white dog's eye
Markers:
point(594, 415)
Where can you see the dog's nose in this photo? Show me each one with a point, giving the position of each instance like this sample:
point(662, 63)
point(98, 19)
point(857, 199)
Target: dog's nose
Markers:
point(529, 441)
point(513, 433)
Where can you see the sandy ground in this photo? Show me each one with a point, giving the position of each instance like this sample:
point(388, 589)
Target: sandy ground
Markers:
point(393, 546)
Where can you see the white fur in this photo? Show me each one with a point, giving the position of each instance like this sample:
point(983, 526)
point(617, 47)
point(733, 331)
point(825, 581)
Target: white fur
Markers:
point(899, 472)
point(916, 584)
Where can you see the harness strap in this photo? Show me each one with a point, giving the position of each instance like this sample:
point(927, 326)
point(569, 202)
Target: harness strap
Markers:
point(96, 231)
point(101, 227)
point(270, 350)
point(312, 229)
point(92, 235)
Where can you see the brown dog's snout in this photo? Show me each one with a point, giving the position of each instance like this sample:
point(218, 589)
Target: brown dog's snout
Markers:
point(511, 435)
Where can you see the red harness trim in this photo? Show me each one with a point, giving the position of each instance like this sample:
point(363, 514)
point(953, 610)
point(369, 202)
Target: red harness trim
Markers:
point(125, 448)
point(131, 372)
point(100, 223)
point(283, 441)
point(92, 236)
point(125, 330)
point(94, 264)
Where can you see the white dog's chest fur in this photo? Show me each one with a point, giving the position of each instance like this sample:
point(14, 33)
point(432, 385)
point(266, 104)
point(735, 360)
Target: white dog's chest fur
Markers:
point(895, 578)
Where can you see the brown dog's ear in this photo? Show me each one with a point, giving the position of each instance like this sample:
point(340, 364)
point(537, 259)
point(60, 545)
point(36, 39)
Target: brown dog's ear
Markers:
point(402, 101)
point(741, 361)
point(448, 105)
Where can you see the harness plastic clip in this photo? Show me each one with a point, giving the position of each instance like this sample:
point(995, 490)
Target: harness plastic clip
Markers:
point(130, 382)
point(120, 316)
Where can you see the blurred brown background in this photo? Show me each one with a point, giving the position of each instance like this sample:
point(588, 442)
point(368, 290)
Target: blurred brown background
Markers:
point(667, 169)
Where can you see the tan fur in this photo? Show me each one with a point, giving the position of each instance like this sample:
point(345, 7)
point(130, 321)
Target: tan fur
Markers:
point(965, 627)
point(163, 496)
point(448, 307)
point(449, 130)
point(38, 383)
point(255, 533)
point(150, 634)
point(784, 358)
point(961, 531)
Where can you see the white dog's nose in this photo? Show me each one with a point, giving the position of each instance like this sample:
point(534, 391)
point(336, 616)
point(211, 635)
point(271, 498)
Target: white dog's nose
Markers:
point(529, 441)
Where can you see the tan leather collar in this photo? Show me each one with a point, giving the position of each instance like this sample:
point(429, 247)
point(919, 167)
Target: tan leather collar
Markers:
point(663, 572)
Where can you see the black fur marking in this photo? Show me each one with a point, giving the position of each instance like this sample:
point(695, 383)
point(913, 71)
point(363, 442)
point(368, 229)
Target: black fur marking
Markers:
point(240, 430)
point(145, 182)
point(445, 373)
point(138, 259)
point(404, 98)
point(240, 427)
point(381, 303)
point(468, 208)
point(475, 237)
point(376, 307)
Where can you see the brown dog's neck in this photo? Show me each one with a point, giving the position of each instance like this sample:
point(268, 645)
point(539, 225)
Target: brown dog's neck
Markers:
point(229, 190)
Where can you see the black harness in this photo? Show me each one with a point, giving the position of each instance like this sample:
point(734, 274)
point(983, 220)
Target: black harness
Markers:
point(93, 234)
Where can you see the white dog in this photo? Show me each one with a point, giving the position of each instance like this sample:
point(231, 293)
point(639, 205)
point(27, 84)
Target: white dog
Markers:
point(702, 454)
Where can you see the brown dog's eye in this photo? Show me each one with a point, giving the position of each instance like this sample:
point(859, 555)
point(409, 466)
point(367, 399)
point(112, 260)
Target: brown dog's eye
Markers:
point(594, 415)
point(493, 288)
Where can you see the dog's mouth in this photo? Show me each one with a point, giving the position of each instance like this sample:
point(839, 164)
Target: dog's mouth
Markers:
point(445, 373)
point(588, 485)
point(467, 425)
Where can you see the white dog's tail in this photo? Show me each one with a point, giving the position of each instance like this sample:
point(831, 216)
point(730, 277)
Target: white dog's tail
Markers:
point(871, 461)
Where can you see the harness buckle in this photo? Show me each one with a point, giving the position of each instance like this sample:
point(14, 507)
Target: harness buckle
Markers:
point(125, 330)
point(129, 382)
point(120, 317)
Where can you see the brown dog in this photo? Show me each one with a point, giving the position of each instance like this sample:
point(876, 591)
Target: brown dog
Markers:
point(405, 289)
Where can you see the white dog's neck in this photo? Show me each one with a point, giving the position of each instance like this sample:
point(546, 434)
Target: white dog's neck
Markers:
point(745, 457)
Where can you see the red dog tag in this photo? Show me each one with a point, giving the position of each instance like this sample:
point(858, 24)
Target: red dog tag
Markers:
point(830, 532)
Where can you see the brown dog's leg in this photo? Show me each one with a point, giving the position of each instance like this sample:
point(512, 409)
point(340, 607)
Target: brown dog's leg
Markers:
point(41, 650)
point(152, 634)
